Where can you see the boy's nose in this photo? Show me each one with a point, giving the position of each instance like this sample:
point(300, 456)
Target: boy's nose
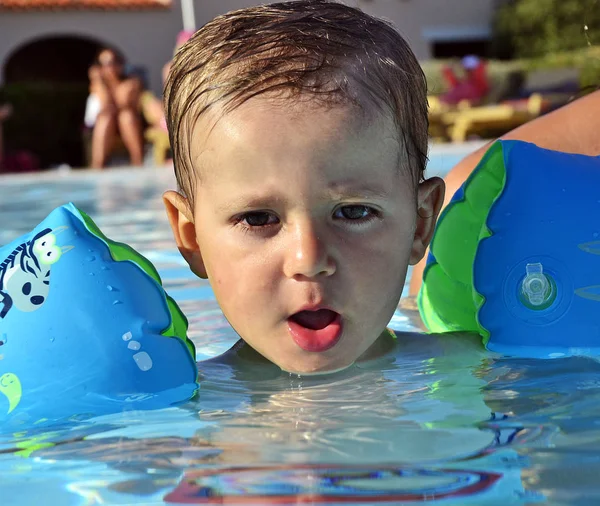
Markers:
point(307, 253)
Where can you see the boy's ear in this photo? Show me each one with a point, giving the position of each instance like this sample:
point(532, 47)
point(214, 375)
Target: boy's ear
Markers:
point(181, 219)
point(430, 197)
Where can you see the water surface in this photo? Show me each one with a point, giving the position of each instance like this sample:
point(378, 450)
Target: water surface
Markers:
point(438, 421)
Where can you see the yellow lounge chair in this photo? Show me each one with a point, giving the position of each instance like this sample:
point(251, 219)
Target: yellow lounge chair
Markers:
point(478, 120)
point(438, 111)
point(160, 144)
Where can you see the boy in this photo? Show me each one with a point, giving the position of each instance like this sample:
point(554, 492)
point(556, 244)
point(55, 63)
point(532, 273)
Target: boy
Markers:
point(299, 135)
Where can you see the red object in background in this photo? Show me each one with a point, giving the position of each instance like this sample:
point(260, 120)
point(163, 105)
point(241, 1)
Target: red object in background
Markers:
point(473, 87)
point(479, 78)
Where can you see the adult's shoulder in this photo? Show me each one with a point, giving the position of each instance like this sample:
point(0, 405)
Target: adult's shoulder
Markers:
point(572, 128)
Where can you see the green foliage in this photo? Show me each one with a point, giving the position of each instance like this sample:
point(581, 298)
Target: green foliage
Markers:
point(535, 28)
point(47, 120)
point(586, 61)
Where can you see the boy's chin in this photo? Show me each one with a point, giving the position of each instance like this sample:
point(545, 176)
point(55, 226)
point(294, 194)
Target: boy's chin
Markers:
point(333, 360)
point(314, 367)
point(323, 372)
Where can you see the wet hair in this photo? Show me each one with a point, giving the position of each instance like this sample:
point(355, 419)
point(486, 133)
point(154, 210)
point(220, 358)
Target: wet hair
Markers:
point(317, 49)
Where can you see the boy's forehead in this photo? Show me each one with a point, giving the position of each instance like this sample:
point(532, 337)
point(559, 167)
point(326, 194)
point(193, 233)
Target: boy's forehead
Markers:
point(282, 126)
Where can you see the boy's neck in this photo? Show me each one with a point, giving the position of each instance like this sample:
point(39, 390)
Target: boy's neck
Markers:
point(381, 347)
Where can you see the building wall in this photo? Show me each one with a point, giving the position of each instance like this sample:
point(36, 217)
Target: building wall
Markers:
point(422, 22)
point(147, 38)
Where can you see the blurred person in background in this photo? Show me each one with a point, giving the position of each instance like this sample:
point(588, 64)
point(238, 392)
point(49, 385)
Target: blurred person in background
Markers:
point(182, 38)
point(473, 87)
point(152, 106)
point(113, 109)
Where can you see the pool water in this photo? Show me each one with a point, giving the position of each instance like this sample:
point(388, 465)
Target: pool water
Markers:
point(439, 421)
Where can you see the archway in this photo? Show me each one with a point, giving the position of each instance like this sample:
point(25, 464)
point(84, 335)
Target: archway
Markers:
point(46, 81)
point(52, 59)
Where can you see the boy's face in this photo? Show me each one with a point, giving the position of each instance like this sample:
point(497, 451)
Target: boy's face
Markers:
point(304, 220)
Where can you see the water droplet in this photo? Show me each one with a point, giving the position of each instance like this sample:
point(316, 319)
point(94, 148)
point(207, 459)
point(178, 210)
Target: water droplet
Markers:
point(595, 234)
point(104, 268)
point(52, 339)
point(3, 339)
point(91, 258)
point(143, 361)
point(134, 345)
point(110, 288)
point(116, 302)
point(1, 357)
point(127, 336)
point(92, 274)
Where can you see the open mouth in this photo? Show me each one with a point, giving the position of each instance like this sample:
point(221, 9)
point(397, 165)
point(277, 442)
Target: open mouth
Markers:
point(316, 330)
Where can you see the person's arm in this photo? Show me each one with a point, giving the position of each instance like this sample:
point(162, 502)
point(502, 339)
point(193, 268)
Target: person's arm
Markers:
point(571, 129)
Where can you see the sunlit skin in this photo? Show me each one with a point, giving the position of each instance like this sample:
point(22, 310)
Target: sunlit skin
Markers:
point(301, 205)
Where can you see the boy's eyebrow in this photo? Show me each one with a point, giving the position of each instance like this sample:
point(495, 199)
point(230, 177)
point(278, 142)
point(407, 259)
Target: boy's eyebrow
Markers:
point(248, 202)
point(344, 190)
point(356, 189)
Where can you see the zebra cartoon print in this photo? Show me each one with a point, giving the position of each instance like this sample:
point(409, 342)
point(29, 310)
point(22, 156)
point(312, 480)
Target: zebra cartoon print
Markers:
point(25, 273)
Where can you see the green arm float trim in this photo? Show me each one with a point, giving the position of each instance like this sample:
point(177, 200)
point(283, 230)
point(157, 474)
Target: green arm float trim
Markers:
point(448, 300)
point(122, 252)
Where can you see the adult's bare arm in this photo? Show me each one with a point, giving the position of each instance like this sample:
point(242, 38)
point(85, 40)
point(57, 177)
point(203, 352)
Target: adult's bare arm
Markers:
point(574, 128)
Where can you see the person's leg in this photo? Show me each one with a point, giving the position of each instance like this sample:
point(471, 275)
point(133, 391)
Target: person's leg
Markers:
point(103, 137)
point(104, 133)
point(127, 97)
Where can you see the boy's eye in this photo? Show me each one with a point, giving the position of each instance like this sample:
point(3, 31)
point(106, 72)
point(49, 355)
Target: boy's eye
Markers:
point(259, 219)
point(354, 212)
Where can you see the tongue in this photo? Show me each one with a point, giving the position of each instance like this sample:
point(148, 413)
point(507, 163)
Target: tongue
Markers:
point(315, 320)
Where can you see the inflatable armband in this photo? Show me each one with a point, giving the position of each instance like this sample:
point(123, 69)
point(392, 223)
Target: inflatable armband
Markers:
point(515, 255)
point(86, 327)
